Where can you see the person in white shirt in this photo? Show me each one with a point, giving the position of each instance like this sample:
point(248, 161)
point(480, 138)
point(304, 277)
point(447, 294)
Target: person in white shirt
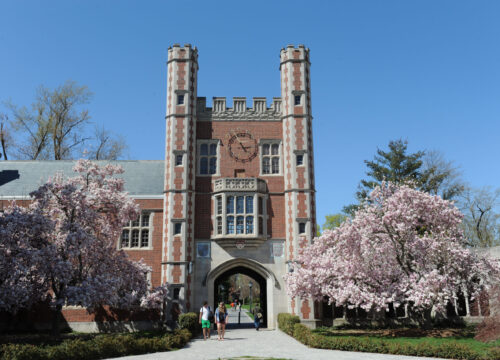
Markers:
point(205, 320)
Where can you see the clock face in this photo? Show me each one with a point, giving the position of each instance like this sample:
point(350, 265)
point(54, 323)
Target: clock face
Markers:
point(242, 146)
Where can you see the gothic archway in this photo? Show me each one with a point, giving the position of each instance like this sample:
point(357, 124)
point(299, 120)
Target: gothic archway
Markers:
point(266, 279)
point(259, 279)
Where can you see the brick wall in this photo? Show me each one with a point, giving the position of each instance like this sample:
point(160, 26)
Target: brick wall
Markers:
point(223, 130)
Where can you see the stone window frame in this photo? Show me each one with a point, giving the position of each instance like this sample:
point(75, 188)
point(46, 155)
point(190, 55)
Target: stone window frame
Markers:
point(175, 222)
point(302, 153)
point(306, 222)
point(300, 95)
point(180, 153)
point(271, 142)
point(181, 94)
point(199, 142)
point(259, 219)
point(137, 225)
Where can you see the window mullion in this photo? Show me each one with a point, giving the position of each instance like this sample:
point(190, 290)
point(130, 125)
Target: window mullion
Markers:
point(224, 214)
point(255, 214)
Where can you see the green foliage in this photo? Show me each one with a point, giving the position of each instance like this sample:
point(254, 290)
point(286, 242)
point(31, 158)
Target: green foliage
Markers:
point(99, 347)
point(428, 347)
point(394, 165)
point(428, 172)
point(333, 221)
point(190, 321)
point(286, 322)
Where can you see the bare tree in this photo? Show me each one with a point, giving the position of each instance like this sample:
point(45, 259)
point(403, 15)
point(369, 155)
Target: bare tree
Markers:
point(53, 127)
point(442, 177)
point(106, 145)
point(482, 219)
point(5, 136)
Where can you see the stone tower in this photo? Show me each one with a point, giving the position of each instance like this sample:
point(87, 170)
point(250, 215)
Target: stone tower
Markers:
point(239, 187)
point(300, 208)
point(180, 155)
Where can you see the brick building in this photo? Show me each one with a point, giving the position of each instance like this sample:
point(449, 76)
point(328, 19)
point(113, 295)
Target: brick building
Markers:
point(235, 193)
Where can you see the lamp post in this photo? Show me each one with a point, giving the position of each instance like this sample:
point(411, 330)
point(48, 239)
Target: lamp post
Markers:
point(221, 294)
point(251, 295)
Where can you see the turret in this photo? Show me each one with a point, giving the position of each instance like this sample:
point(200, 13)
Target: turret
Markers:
point(180, 164)
point(300, 205)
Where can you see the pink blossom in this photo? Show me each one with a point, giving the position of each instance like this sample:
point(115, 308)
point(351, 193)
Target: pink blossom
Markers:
point(64, 246)
point(403, 246)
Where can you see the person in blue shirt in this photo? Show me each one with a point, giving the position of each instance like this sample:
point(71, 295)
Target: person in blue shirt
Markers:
point(221, 319)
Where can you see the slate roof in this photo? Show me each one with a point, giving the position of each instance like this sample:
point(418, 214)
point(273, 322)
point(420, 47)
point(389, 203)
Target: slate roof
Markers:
point(19, 178)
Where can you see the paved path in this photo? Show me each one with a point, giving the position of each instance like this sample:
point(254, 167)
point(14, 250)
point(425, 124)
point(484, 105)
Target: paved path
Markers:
point(264, 343)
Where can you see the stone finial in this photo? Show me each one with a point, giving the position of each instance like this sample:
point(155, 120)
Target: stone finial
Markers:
point(259, 104)
point(219, 104)
point(277, 104)
point(239, 104)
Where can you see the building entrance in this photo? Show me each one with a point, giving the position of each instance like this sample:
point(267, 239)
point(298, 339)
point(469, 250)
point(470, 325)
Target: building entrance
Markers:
point(247, 286)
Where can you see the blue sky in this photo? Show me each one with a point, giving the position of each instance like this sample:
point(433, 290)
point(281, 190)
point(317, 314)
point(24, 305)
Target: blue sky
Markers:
point(425, 71)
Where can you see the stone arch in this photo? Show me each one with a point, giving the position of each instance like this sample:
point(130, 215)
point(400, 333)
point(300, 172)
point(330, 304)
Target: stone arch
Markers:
point(252, 267)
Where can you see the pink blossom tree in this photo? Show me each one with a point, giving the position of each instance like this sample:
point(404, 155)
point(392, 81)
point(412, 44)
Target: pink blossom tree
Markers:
point(24, 246)
point(404, 247)
point(82, 219)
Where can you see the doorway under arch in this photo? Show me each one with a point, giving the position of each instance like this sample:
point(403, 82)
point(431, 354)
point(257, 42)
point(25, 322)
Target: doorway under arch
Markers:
point(259, 279)
point(268, 283)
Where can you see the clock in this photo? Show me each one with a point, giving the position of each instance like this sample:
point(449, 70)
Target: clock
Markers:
point(242, 146)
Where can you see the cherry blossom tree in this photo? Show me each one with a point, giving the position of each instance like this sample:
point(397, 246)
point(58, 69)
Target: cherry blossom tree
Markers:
point(76, 223)
point(404, 247)
point(24, 246)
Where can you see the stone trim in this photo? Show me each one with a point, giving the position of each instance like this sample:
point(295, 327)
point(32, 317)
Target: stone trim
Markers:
point(239, 184)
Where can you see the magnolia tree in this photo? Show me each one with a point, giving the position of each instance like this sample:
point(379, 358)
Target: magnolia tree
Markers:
point(83, 217)
point(24, 248)
point(404, 247)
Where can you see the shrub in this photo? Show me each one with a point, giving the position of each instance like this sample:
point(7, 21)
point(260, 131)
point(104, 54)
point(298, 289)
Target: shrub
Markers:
point(21, 352)
point(450, 350)
point(302, 333)
point(189, 321)
point(495, 353)
point(100, 347)
point(286, 322)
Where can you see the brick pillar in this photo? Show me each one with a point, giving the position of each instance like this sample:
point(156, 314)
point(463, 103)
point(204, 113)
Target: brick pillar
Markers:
point(178, 235)
point(300, 205)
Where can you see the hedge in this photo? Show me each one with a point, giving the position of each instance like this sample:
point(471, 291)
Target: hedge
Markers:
point(377, 345)
point(100, 347)
point(190, 321)
point(286, 322)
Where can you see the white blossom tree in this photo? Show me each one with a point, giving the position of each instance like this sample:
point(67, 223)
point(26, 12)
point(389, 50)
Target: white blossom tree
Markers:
point(404, 247)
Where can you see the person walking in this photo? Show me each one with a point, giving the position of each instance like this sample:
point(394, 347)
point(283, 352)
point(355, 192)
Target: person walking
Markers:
point(205, 314)
point(221, 319)
point(257, 317)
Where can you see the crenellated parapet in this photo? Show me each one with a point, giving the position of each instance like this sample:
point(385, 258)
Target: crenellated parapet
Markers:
point(239, 112)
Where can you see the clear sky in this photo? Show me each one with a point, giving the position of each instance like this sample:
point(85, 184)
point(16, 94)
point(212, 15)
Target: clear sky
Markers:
point(425, 71)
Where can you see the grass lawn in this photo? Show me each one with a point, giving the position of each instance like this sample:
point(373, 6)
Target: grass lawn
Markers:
point(410, 336)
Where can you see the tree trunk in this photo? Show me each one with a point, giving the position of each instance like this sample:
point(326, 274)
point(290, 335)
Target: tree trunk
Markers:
point(56, 316)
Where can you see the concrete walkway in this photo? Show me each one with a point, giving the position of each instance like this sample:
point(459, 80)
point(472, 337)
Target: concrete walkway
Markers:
point(264, 343)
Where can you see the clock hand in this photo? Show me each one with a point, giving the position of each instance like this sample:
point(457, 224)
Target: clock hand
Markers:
point(238, 138)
